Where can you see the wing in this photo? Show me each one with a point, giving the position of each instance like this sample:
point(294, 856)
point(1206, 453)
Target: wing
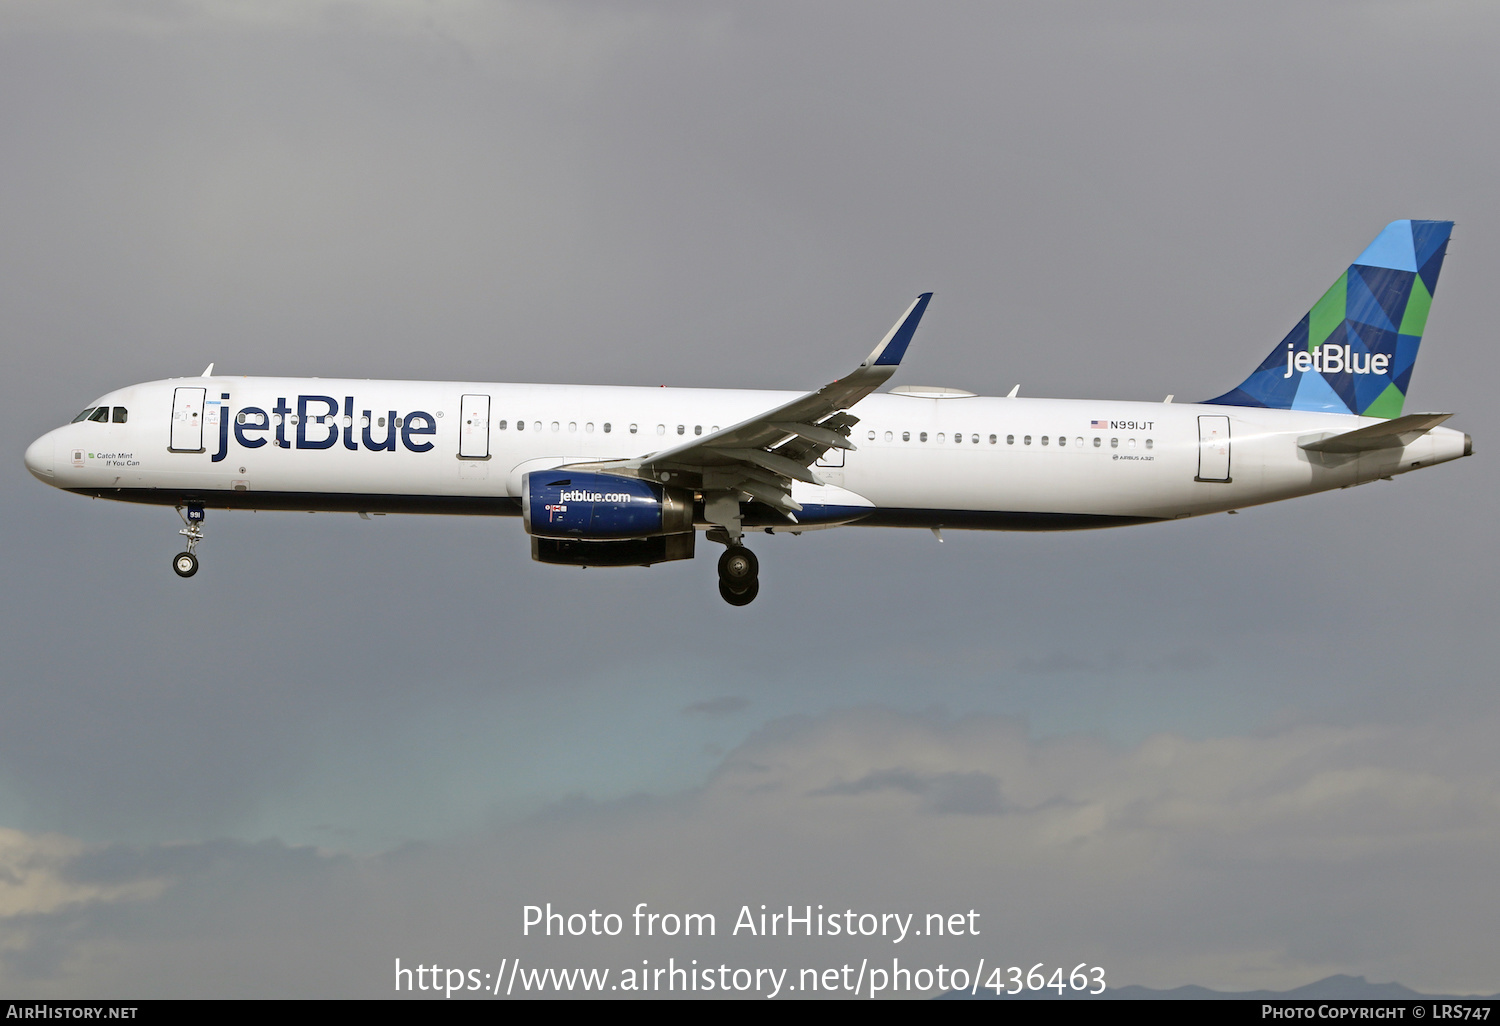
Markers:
point(760, 457)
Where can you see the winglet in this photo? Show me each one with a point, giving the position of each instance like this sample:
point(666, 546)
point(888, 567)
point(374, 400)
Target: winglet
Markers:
point(893, 347)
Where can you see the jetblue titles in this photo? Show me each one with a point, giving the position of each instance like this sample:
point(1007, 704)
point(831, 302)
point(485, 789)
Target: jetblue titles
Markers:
point(317, 424)
point(579, 495)
point(1332, 358)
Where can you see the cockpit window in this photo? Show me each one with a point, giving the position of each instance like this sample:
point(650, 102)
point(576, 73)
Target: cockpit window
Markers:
point(101, 415)
point(121, 415)
point(84, 415)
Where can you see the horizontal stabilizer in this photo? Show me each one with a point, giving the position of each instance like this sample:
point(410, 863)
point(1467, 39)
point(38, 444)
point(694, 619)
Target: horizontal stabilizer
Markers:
point(1393, 434)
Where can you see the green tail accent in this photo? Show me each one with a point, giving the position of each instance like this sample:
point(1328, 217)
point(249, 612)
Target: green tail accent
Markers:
point(1328, 313)
point(1387, 404)
point(1415, 319)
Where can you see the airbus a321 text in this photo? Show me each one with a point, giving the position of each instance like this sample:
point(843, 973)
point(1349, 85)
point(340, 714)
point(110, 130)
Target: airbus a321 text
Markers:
point(621, 476)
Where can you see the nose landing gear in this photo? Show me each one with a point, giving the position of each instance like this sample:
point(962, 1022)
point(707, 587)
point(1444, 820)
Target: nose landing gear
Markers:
point(185, 564)
point(739, 575)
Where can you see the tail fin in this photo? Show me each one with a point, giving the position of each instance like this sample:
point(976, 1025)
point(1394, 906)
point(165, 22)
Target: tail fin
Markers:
point(1353, 351)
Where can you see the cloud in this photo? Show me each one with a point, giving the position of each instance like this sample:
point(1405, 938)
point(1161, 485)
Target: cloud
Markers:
point(946, 792)
point(1061, 845)
point(42, 873)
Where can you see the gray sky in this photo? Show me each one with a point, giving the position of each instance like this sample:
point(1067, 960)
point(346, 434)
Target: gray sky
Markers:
point(1240, 753)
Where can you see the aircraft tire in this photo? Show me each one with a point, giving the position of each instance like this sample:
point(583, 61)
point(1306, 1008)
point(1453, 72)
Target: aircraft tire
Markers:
point(739, 598)
point(184, 564)
point(738, 568)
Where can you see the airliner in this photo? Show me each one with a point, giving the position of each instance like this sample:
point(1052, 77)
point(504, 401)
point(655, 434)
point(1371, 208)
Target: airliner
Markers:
point(623, 476)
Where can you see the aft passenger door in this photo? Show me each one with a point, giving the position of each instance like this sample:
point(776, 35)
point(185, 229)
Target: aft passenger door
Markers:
point(187, 420)
point(1213, 449)
point(474, 427)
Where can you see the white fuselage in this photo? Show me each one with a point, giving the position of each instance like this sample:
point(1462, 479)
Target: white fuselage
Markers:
point(962, 461)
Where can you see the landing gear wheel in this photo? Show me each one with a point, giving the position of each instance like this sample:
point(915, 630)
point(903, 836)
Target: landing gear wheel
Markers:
point(740, 598)
point(185, 564)
point(738, 568)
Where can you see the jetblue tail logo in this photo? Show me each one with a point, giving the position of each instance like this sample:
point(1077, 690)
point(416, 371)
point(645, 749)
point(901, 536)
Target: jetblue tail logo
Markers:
point(1353, 352)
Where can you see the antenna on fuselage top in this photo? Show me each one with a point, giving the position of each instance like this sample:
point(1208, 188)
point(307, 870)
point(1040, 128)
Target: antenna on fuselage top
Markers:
point(208, 371)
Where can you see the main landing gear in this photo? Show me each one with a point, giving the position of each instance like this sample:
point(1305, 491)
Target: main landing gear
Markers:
point(739, 575)
point(185, 564)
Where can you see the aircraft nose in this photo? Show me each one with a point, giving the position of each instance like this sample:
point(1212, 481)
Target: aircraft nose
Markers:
point(39, 457)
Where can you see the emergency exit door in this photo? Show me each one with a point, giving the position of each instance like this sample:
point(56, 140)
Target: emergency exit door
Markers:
point(474, 427)
point(187, 420)
point(1213, 449)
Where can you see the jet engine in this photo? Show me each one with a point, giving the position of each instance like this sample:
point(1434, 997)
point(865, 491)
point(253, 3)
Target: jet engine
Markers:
point(586, 519)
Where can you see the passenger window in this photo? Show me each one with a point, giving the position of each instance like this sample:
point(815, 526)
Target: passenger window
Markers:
point(501, 425)
point(975, 440)
point(121, 414)
point(1044, 439)
point(1148, 443)
point(555, 425)
point(697, 429)
point(958, 438)
point(940, 437)
point(906, 436)
point(520, 424)
point(1096, 441)
point(681, 429)
point(536, 425)
point(1078, 442)
point(1132, 443)
point(606, 427)
point(400, 421)
point(992, 439)
point(632, 429)
point(101, 415)
point(1010, 439)
point(870, 435)
point(572, 427)
point(1114, 443)
point(84, 415)
point(1062, 439)
point(922, 437)
point(1026, 440)
point(887, 436)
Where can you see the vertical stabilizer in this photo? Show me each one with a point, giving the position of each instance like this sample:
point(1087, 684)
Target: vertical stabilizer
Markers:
point(1353, 352)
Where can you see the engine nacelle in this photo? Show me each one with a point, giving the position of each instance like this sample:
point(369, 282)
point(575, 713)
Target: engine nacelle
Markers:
point(601, 507)
point(628, 552)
